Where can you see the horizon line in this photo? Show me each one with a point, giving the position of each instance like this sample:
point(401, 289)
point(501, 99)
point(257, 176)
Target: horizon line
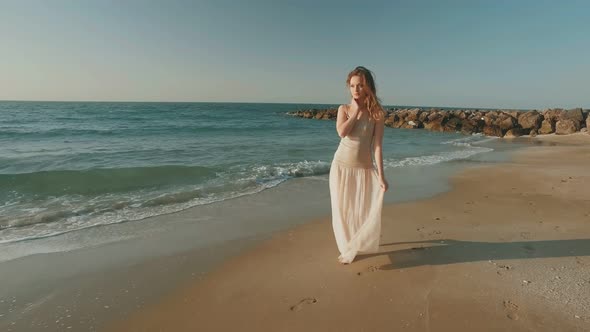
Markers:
point(293, 103)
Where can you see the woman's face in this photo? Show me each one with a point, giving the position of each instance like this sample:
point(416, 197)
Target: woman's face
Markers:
point(357, 88)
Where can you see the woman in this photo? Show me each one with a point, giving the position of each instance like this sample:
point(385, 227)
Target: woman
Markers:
point(356, 187)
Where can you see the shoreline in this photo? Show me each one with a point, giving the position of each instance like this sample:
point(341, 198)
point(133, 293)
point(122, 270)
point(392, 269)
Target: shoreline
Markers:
point(293, 281)
point(92, 287)
point(419, 180)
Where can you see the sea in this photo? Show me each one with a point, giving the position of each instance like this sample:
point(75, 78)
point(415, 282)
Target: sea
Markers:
point(70, 166)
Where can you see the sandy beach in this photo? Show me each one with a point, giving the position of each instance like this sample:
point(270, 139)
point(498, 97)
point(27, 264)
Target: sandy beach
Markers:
point(191, 166)
point(507, 249)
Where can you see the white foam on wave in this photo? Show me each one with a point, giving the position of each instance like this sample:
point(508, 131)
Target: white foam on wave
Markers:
point(261, 177)
point(238, 181)
point(437, 158)
point(476, 138)
point(289, 170)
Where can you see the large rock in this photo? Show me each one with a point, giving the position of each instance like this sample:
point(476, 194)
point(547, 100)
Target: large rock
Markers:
point(413, 114)
point(506, 122)
point(436, 121)
point(326, 114)
point(460, 114)
point(308, 114)
point(515, 114)
point(390, 120)
point(585, 113)
point(573, 114)
point(588, 123)
point(471, 126)
point(566, 127)
point(553, 114)
point(403, 114)
point(453, 125)
point(547, 126)
point(441, 117)
point(423, 116)
point(490, 119)
point(399, 122)
point(530, 120)
point(477, 115)
point(514, 132)
point(492, 131)
point(412, 124)
point(330, 114)
point(433, 126)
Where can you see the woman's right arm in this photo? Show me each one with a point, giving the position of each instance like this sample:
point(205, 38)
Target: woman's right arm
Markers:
point(344, 125)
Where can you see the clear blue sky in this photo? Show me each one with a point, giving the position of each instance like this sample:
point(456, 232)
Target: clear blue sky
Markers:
point(504, 54)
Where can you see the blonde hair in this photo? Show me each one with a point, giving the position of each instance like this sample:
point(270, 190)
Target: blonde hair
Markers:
point(371, 101)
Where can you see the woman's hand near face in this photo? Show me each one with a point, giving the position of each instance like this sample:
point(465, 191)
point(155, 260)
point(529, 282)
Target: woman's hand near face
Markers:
point(354, 108)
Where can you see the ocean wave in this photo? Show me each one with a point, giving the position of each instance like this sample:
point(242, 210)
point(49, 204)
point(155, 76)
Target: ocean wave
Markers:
point(290, 170)
point(56, 202)
point(436, 158)
point(102, 180)
point(20, 132)
point(24, 229)
point(467, 140)
point(68, 213)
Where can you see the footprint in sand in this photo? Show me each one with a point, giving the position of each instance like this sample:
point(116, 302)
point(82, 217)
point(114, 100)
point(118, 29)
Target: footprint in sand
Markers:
point(420, 229)
point(307, 300)
point(511, 309)
point(501, 267)
point(525, 235)
point(371, 268)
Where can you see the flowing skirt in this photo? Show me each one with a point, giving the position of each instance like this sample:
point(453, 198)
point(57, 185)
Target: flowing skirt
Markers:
point(356, 198)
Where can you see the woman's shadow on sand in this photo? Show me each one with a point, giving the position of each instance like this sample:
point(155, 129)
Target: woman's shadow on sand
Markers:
point(449, 251)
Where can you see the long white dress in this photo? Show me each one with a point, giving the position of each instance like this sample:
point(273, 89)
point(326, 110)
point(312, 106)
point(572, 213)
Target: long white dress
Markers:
point(355, 193)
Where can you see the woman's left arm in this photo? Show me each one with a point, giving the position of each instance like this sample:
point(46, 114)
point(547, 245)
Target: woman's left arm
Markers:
point(378, 149)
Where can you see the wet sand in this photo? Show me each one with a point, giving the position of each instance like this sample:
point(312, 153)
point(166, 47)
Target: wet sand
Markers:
point(508, 248)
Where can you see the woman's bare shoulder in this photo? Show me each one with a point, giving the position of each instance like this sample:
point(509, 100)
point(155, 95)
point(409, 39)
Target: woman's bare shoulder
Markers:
point(344, 108)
